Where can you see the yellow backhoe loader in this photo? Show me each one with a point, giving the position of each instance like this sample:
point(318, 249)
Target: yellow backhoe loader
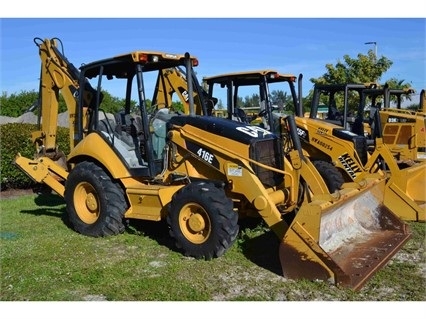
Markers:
point(394, 138)
point(367, 110)
point(338, 154)
point(402, 130)
point(199, 173)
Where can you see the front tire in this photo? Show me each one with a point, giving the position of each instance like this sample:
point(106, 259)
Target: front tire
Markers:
point(95, 203)
point(202, 221)
point(331, 175)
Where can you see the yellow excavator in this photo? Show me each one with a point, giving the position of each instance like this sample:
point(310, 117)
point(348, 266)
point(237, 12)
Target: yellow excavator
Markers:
point(337, 153)
point(198, 173)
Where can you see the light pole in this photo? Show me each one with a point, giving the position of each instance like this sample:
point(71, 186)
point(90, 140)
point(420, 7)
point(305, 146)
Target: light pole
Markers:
point(375, 53)
point(375, 49)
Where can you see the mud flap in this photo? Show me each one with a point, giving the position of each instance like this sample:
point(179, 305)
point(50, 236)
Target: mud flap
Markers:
point(344, 242)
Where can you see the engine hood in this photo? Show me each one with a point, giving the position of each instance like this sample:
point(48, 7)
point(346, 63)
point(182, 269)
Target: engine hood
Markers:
point(238, 131)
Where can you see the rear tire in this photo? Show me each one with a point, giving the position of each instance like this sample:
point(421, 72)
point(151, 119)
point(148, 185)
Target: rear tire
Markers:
point(95, 203)
point(331, 175)
point(202, 221)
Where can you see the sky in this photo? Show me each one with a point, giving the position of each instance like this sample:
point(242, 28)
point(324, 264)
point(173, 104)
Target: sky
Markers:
point(221, 44)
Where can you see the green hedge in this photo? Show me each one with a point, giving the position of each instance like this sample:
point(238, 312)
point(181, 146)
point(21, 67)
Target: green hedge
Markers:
point(16, 138)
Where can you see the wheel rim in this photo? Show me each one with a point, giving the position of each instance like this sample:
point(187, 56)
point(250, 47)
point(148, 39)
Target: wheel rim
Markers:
point(86, 203)
point(194, 223)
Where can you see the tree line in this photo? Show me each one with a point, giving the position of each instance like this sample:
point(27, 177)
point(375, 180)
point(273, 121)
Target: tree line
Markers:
point(362, 69)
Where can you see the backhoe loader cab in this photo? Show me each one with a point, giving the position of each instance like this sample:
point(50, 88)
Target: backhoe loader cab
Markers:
point(367, 110)
point(341, 100)
point(246, 94)
point(199, 173)
point(138, 132)
point(403, 130)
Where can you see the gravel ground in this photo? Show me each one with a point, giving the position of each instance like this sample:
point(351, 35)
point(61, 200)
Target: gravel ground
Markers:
point(13, 193)
point(31, 118)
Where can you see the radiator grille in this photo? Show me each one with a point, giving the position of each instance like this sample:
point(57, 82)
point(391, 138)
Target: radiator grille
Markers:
point(267, 152)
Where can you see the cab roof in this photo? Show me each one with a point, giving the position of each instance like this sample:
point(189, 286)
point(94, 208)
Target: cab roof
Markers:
point(122, 65)
point(249, 77)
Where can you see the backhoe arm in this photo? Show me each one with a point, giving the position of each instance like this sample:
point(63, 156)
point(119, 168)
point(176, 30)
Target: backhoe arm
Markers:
point(57, 75)
point(173, 81)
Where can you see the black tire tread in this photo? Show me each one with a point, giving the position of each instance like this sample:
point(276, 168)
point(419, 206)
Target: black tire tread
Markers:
point(111, 196)
point(331, 175)
point(225, 226)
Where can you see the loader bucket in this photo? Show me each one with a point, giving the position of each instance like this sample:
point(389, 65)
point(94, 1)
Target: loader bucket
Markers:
point(345, 242)
point(406, 192)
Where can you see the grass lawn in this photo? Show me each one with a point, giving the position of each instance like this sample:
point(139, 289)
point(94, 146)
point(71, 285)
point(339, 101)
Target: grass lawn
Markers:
point(43, 259)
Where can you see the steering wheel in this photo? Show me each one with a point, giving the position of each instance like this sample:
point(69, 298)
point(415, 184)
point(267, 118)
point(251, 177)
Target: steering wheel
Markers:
point(262, 113)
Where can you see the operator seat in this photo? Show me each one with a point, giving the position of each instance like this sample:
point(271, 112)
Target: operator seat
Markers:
point(358, 126)
point(128, 129)
point(240, 114)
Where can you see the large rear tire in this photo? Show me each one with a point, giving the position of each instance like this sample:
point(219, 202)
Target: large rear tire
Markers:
point(202, 221)
point(331, 175)
point(95, 203)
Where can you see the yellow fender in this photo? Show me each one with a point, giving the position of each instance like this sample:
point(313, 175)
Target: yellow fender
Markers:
point(94, 146)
